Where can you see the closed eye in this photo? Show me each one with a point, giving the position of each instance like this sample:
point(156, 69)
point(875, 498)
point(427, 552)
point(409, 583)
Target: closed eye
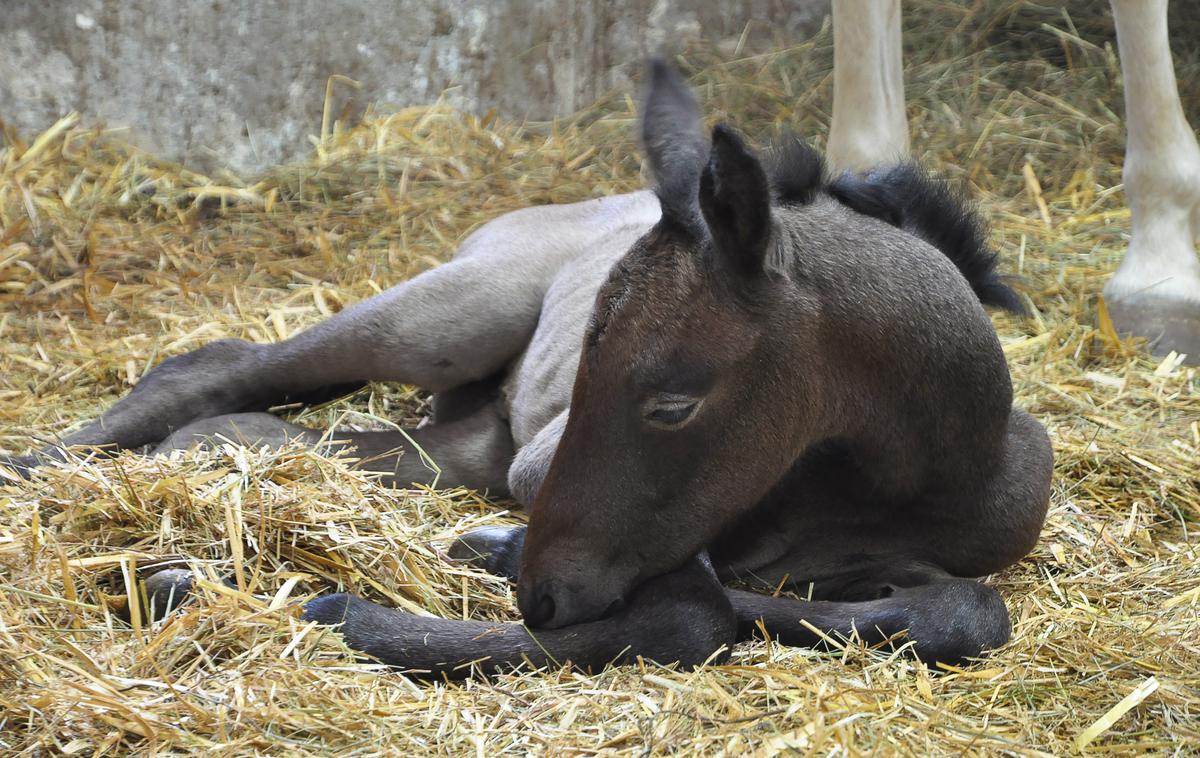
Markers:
point(671, 411)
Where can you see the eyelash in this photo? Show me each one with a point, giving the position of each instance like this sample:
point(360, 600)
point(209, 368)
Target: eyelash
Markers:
point(673, 414)
point(670, 415)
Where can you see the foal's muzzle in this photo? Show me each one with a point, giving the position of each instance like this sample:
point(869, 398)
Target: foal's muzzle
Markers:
point(549, 605)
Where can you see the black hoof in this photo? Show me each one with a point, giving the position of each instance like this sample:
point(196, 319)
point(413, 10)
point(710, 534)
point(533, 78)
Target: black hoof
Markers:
point(22, 465)
point(495, 549)
point(330, 610)
point(164, 591)
point(161, 593)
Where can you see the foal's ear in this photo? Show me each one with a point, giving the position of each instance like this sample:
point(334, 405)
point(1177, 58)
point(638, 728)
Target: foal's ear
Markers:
point(673, 141)
point(735, 198)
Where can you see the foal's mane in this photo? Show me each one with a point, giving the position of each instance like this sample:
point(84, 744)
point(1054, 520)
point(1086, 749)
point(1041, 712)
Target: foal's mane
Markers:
point(905, 196)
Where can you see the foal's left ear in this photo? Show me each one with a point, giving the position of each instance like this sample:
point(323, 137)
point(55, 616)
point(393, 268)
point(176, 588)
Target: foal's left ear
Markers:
point(735, 198)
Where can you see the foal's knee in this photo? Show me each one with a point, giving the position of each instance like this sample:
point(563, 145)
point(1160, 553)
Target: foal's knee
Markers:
point(532, 462)
point(953, 620)
point(685, 617)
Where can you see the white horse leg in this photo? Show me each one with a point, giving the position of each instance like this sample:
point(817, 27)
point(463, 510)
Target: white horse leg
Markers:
point(870, 125)
point(1156, 290)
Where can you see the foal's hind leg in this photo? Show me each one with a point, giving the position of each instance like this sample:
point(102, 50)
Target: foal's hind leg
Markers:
point(473, 451)
point(455, 324)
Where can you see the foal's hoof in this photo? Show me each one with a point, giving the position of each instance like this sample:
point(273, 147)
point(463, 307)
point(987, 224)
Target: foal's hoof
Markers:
point(329, 610)
point(1168, 324)
point(21, 466)
point(164, 591)
point(161, 593)
point(24, 466)
point(495, 549)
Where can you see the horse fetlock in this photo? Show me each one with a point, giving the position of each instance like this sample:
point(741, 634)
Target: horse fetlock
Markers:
point(218, 373)
point(1155, 292)
point(223, 377)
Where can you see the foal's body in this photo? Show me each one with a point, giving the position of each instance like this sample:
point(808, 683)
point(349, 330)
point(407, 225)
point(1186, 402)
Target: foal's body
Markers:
point(938, 421)
point(880, 400)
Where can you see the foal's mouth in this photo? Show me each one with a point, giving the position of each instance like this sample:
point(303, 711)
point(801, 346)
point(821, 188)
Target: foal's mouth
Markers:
point(549, 609)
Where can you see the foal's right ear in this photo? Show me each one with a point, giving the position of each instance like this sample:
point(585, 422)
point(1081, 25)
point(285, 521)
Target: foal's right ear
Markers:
point(674, 142)
point(735, 197)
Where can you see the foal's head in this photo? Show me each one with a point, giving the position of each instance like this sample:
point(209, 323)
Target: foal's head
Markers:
point(685, 403)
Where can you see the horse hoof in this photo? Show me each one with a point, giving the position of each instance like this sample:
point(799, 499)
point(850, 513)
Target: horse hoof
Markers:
point(495, 549)
point(165, 591)
point(20, 466)
point(1168, 324)
point(330, 610)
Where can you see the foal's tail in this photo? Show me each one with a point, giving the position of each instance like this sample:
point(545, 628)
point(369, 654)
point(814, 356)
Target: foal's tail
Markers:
point(909, 198)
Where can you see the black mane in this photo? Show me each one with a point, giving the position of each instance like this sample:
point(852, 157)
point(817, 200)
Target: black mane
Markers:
point(796, 171)
point(906, 197)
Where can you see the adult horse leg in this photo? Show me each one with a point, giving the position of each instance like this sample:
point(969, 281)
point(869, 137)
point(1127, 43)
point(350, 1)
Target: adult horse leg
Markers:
point(870, 124)
point(1155, 292)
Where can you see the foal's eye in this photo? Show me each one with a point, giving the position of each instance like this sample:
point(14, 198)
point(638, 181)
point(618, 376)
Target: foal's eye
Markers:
point(671, 411)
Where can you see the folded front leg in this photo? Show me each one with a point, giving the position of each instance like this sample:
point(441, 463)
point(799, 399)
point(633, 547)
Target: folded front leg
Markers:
point(947, 620)
point(681, 617)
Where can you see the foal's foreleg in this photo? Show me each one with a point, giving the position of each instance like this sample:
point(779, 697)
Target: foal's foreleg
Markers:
point(947, 620)
point(681, 617)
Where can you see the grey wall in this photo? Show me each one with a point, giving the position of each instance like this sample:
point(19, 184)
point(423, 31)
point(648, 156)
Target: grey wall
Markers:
point(219, 83)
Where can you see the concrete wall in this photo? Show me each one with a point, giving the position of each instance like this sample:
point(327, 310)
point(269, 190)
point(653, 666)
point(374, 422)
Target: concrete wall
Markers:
point(220, 83)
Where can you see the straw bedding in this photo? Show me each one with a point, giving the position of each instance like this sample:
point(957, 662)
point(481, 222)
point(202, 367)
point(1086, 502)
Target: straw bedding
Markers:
point(111, 259)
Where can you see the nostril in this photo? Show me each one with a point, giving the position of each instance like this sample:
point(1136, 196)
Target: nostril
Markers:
point(541, 610)
point(545, 608)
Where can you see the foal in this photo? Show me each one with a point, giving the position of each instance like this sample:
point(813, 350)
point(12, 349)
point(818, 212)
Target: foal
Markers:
point(751, 373)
